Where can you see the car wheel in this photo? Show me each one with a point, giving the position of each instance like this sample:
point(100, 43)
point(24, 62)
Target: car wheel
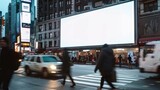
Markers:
point(27, 71)
point(45, 73)
point(141, 70)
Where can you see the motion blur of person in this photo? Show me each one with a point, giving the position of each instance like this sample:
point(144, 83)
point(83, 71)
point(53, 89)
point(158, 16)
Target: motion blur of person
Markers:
point(7, 64)
point(129, 61)
point(106, 64)
point(120, 60)
point(66, 68)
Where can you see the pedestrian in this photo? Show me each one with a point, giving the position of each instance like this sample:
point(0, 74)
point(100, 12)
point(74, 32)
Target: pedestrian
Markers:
point(106, 64)
point(120, 60)
point(129, 61)
point(66, 68)
point(7, 64)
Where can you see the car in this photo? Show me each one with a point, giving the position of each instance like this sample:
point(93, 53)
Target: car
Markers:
point(45, 64)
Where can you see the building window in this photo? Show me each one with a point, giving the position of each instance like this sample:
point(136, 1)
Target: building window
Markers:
point(79, 8)
point(107, 1)
point(150, 6)
point(50, 26)
point(45, 36)
point(50, 43)
point(40, 37)
point(77, 0)
point(45, 27)
point(61, 4)
point(50, 35)
point(55, 43)
point(55, 35)
point(55, 26)
point(55, 4)
point(40, 28)
point(58, 24)
point(40, 45)
point(45, 44)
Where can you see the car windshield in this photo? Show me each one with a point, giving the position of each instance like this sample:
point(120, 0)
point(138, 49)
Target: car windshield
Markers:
point(149, 49)
point(50, 59)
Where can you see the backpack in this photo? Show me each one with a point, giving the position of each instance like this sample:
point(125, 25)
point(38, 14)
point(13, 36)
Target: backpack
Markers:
point(17, 63)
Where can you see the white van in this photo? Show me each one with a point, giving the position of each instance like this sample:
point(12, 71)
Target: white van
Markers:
point(149, 60)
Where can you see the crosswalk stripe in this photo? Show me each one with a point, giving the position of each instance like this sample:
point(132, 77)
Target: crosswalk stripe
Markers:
point(118, 76)
point(98, 79)
point(95, 81)
point(95, 78)
point(89, 83)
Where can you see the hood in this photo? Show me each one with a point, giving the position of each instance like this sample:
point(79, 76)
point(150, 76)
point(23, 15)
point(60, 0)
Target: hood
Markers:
point(107, 50)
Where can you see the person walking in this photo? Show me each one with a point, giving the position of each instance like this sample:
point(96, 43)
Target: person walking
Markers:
point(66, 68)
point(7, 64)
point(129, 61)
point(106, 64)
point(120, 60)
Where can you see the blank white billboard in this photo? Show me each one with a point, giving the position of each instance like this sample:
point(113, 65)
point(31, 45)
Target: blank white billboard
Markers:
point(111, 25)
point(25, 29)
point(25, 34)
point(26, 17)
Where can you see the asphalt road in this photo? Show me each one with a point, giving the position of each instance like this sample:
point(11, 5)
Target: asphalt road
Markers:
point(86, 79)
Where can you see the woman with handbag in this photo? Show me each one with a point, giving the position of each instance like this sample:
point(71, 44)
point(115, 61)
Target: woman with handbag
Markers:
point(105, 65)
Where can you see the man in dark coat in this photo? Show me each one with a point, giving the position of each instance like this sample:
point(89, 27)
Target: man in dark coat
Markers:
point(105, 65)
point(6, 64)
point(66, 68)
point(120, 60)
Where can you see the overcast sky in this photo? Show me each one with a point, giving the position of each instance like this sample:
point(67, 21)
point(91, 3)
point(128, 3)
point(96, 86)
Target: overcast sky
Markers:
point(4, 5)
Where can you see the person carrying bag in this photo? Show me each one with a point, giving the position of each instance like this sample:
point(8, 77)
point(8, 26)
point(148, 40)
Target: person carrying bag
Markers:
point(106, 66)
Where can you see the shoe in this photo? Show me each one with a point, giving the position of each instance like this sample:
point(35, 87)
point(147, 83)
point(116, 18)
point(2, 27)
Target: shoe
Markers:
point(73, 85)
point(63, 83)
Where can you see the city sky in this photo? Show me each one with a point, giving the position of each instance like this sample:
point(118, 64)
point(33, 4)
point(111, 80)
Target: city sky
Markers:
point(4, 5)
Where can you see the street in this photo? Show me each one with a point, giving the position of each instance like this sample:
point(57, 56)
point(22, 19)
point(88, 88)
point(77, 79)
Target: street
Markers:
point(86, 79)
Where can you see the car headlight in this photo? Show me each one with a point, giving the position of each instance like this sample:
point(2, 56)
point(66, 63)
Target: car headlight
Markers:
point(53, 67)
point(20, 60)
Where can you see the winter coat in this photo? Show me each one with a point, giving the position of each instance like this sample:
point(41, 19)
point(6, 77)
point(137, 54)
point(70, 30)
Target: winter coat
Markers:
point(106, 61)
point(7, 59)
point(66, 63)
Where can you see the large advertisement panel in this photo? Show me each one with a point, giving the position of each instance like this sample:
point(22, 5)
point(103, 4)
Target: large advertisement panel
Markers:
point(25, 26)
point(25, 34)
point(111, 25)
point(25, 7)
